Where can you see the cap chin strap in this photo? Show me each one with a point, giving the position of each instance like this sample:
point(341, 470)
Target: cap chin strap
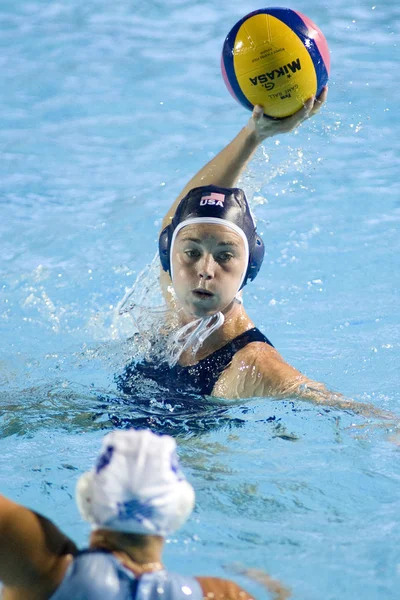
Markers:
point(192, 335)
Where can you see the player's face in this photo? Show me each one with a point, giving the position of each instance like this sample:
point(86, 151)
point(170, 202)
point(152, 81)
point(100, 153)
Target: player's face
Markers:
point(208, 263)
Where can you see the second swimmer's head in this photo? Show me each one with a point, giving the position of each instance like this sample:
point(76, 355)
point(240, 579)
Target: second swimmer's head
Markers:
point(137, 485)
point(212, 205)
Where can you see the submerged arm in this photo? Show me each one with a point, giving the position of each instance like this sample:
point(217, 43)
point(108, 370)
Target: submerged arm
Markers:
point(293, 384)
point(259, 370)
point(317, 393)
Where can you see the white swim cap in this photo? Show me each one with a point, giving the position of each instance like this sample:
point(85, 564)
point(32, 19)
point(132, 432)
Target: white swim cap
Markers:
point(137, 485)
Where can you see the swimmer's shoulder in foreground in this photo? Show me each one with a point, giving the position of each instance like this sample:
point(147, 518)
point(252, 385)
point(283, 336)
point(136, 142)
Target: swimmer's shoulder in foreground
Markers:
point(209, 250)
point(135, 496)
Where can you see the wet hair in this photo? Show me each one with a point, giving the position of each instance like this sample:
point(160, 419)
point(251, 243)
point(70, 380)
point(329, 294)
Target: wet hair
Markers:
point(212, 204)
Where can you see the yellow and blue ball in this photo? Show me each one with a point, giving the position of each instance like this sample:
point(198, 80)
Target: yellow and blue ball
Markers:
point(275, 57)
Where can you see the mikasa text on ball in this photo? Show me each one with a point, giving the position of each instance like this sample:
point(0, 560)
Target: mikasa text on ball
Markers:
point(275, 57)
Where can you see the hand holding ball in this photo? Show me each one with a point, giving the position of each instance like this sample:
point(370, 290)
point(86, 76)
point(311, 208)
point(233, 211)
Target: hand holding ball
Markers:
point(277, 58)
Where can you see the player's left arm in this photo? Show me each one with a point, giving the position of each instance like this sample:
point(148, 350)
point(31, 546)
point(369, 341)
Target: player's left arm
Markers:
point(32, 548)
point(288, 382)
point(258, 370)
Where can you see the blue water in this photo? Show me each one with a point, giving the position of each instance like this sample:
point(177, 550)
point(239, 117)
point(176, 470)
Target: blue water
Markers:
point(105, 112)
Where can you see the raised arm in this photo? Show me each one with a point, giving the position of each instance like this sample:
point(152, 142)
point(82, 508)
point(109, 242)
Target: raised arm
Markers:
point(33, 552)
point(225, 168)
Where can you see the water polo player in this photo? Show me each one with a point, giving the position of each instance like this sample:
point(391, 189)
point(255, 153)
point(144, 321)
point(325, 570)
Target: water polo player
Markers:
point(209, 250)
point(135, 496)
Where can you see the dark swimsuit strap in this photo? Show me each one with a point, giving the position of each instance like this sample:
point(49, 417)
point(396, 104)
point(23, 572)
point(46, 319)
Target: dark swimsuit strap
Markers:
point(209, 369)
point(228, 351)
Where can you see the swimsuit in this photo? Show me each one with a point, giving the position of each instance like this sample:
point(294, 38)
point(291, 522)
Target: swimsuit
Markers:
point(98, 575)
point(197, 379)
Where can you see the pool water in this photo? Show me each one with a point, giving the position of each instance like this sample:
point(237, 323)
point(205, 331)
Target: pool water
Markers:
point(106, 111)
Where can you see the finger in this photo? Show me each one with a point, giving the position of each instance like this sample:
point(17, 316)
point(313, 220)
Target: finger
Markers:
point(320, 101)
point(323, 95)
point(308, 107)
point(258, 112)
point(304, 112)
point(309, 103)
point(294, 120)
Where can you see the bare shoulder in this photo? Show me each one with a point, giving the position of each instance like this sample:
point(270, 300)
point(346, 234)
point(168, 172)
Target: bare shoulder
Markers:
point(257, 370)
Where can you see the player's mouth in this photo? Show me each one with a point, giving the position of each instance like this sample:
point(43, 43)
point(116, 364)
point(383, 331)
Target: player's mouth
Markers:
point(202, 293)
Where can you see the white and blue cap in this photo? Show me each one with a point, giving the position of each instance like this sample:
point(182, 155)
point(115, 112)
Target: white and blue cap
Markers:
point(137, 485)
point(221, 206)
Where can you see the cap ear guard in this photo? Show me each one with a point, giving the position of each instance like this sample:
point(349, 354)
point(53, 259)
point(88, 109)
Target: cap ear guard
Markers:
point(255, 260)
point(164, 245)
